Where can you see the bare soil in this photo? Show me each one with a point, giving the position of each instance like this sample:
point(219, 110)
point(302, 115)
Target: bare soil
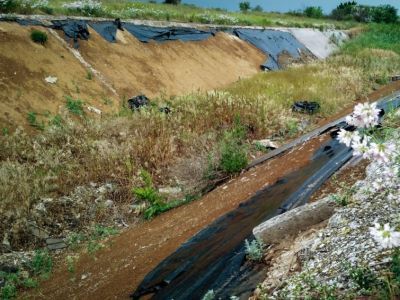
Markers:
point(24, 65)
point(171, 68)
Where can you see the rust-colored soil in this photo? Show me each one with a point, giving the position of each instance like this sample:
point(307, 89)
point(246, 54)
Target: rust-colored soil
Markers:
point(171, 68)
point(118, 269)
point(23, 67)
point(348, 176)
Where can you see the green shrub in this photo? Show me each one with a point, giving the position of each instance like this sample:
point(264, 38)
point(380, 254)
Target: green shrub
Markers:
point(254, 250)
point(39, 37)
point(233, 150)
point(244, 6)
point(363, 277)
point(7, 6)
point(395, 267)
point(385, 14)
point(364, 13)
point(75, 106)
point(8, 291)
point(344, 11)
point(89, 75)
point(174, 2)
point(41, 263)
point(257, 8)
point(32, 120)
point(149, 194)
point(314, 12)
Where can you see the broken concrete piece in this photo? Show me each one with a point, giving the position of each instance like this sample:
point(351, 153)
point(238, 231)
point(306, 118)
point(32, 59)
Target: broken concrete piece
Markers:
point(295, 220)
point(51, 79)
point(55, 243)
point(37, 231)
point(94, 109)
point(395, 78)
point(170, 190)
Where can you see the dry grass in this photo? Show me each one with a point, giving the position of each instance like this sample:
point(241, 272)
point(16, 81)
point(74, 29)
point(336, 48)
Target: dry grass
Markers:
point(114, 149)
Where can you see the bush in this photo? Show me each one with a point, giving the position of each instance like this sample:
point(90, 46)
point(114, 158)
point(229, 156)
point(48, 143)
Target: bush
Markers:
point(39, 37)
point(364, 13)
point(8, 6)
point(244, 6)
point(314, 12)
point(174, 2)
point(41, 264)
point(385, 14)
point(254, 250)
point(233, 151)
point(257, 8)
point(344, 11)
point(75, 106)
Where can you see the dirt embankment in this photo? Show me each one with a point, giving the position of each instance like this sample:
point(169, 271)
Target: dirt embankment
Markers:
point(173, 67)
point(131, 67)
point(24, 65)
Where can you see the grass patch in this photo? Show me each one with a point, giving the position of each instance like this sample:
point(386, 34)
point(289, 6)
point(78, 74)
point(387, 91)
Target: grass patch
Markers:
point(375, 36)
point(234, 150)
point(39, 268)
point(33, 121)
point(75, 106)
point(39, 37)
point(41, 264)
point(156, 204)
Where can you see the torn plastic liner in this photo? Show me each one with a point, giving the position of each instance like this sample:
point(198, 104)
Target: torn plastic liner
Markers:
point(306, 107)
point(160, 34)
point(272, 43)
point(107, 29)
point(73, 29)
point(137, 102)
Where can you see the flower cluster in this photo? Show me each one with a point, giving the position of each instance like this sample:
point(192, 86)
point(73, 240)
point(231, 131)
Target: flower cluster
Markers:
point(385, 235)
point(26, 4)
point(87, 7)
point(216, 19)
point(386, 170)
point(366, 116)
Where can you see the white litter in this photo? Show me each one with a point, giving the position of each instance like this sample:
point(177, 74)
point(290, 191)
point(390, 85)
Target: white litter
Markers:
point(51, 79)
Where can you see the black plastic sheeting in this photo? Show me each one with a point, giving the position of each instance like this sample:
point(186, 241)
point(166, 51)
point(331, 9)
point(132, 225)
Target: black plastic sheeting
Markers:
point(29, 22)
point(161, 34)
point(214, 259)
point(107, 29)
point(73, 29)
point(272, 43)
point(137, 102)
point(306, 107)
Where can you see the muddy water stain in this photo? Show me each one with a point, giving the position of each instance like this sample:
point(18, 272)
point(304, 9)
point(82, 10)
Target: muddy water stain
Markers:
point(215, 258)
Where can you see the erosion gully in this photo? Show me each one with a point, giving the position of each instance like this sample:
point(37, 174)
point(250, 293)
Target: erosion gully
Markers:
point(214, 259)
